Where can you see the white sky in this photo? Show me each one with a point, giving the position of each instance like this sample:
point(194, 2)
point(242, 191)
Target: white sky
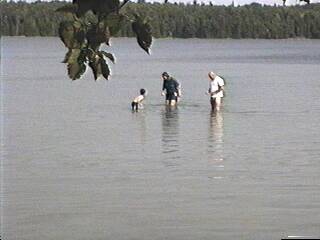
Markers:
point(228, 2)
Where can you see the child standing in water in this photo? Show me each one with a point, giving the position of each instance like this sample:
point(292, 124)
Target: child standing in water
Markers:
point(138, 100)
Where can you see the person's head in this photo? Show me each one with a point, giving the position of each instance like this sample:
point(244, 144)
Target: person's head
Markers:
point(212, 75)
point(143, 91)
point(165, 76)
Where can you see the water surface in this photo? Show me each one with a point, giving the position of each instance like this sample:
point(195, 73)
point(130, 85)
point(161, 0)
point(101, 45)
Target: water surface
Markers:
point(78, 164)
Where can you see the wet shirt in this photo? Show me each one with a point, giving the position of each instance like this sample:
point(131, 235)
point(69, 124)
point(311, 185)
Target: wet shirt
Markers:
point(170, 85)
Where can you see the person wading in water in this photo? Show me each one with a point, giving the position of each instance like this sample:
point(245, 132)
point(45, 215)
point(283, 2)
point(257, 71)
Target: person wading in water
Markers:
point(171, 89)
point(216, 88)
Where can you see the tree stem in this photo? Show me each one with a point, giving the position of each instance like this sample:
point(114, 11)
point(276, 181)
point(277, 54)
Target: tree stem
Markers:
point(123, 3)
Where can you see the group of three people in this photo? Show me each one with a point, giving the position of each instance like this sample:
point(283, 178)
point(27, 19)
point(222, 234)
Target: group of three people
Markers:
point(172, 90)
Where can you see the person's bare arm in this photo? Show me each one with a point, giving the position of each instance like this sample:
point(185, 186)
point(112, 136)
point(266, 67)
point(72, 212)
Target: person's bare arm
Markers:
point(163, 89)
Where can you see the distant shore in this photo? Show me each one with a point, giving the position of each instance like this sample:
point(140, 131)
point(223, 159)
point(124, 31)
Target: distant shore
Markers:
point(173, 20)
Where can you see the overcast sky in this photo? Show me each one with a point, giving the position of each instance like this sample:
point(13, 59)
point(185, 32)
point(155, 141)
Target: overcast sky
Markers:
point(228, 2)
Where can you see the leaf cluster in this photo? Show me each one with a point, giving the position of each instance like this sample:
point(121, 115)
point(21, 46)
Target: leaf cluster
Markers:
point(91, 24)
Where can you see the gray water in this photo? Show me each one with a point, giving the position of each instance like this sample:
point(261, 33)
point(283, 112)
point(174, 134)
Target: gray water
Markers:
point(78, 164)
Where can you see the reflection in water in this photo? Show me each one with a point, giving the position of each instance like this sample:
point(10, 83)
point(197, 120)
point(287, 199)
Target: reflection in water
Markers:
point(140, 118)
point(170, 135)
point(215, 141)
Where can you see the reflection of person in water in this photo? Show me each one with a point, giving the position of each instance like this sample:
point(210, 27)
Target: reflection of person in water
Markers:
point(170, 134)
point(140, 124)
point(216, 135)
point(215, 146)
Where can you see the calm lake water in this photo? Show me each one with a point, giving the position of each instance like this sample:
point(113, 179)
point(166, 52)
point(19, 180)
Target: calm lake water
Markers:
point(77, 164)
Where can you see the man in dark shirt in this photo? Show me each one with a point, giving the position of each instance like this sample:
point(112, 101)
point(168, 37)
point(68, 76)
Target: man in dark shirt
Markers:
point(171, 88)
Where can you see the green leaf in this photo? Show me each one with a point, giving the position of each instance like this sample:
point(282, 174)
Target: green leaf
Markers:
point(105, 69)
point(97, 6)
point(143, 31)
point(94, 40)
point(115, 22)
point(90, 19)
point(96, 69)
point(108, 55)
point(90, 55)
point(75, 59)
point(79, 32)
point(71, 34)
point(105, 6)
point(98, 34)
point(96, 66)
point(72, 56)
point(84, 55)
point(99, 67)
point(77, 25)
point(69, 8)
point(83, 6)
point(66, 32)
point(76, 69)
point(113, 5)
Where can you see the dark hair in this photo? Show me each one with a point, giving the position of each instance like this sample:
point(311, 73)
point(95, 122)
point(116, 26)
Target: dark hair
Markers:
point(142, 91)
point(165, 74)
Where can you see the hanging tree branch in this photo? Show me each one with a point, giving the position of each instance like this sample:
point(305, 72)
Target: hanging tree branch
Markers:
point(83, 39)
point(124, 3)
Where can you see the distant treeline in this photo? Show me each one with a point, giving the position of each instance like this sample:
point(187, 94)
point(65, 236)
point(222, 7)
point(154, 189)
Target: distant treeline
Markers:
point(177, 20)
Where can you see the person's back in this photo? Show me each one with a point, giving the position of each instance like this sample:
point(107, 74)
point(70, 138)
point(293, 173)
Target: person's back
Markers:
point(170, 85)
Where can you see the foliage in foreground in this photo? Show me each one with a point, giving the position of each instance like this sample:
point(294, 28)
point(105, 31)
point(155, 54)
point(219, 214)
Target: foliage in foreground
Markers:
point(90, 24)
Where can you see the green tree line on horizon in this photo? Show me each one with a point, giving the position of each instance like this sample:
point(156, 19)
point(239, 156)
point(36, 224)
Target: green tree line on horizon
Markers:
point(178, 20)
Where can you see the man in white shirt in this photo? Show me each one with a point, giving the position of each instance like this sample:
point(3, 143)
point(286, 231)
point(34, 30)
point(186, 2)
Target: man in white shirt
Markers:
point(216, 88)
